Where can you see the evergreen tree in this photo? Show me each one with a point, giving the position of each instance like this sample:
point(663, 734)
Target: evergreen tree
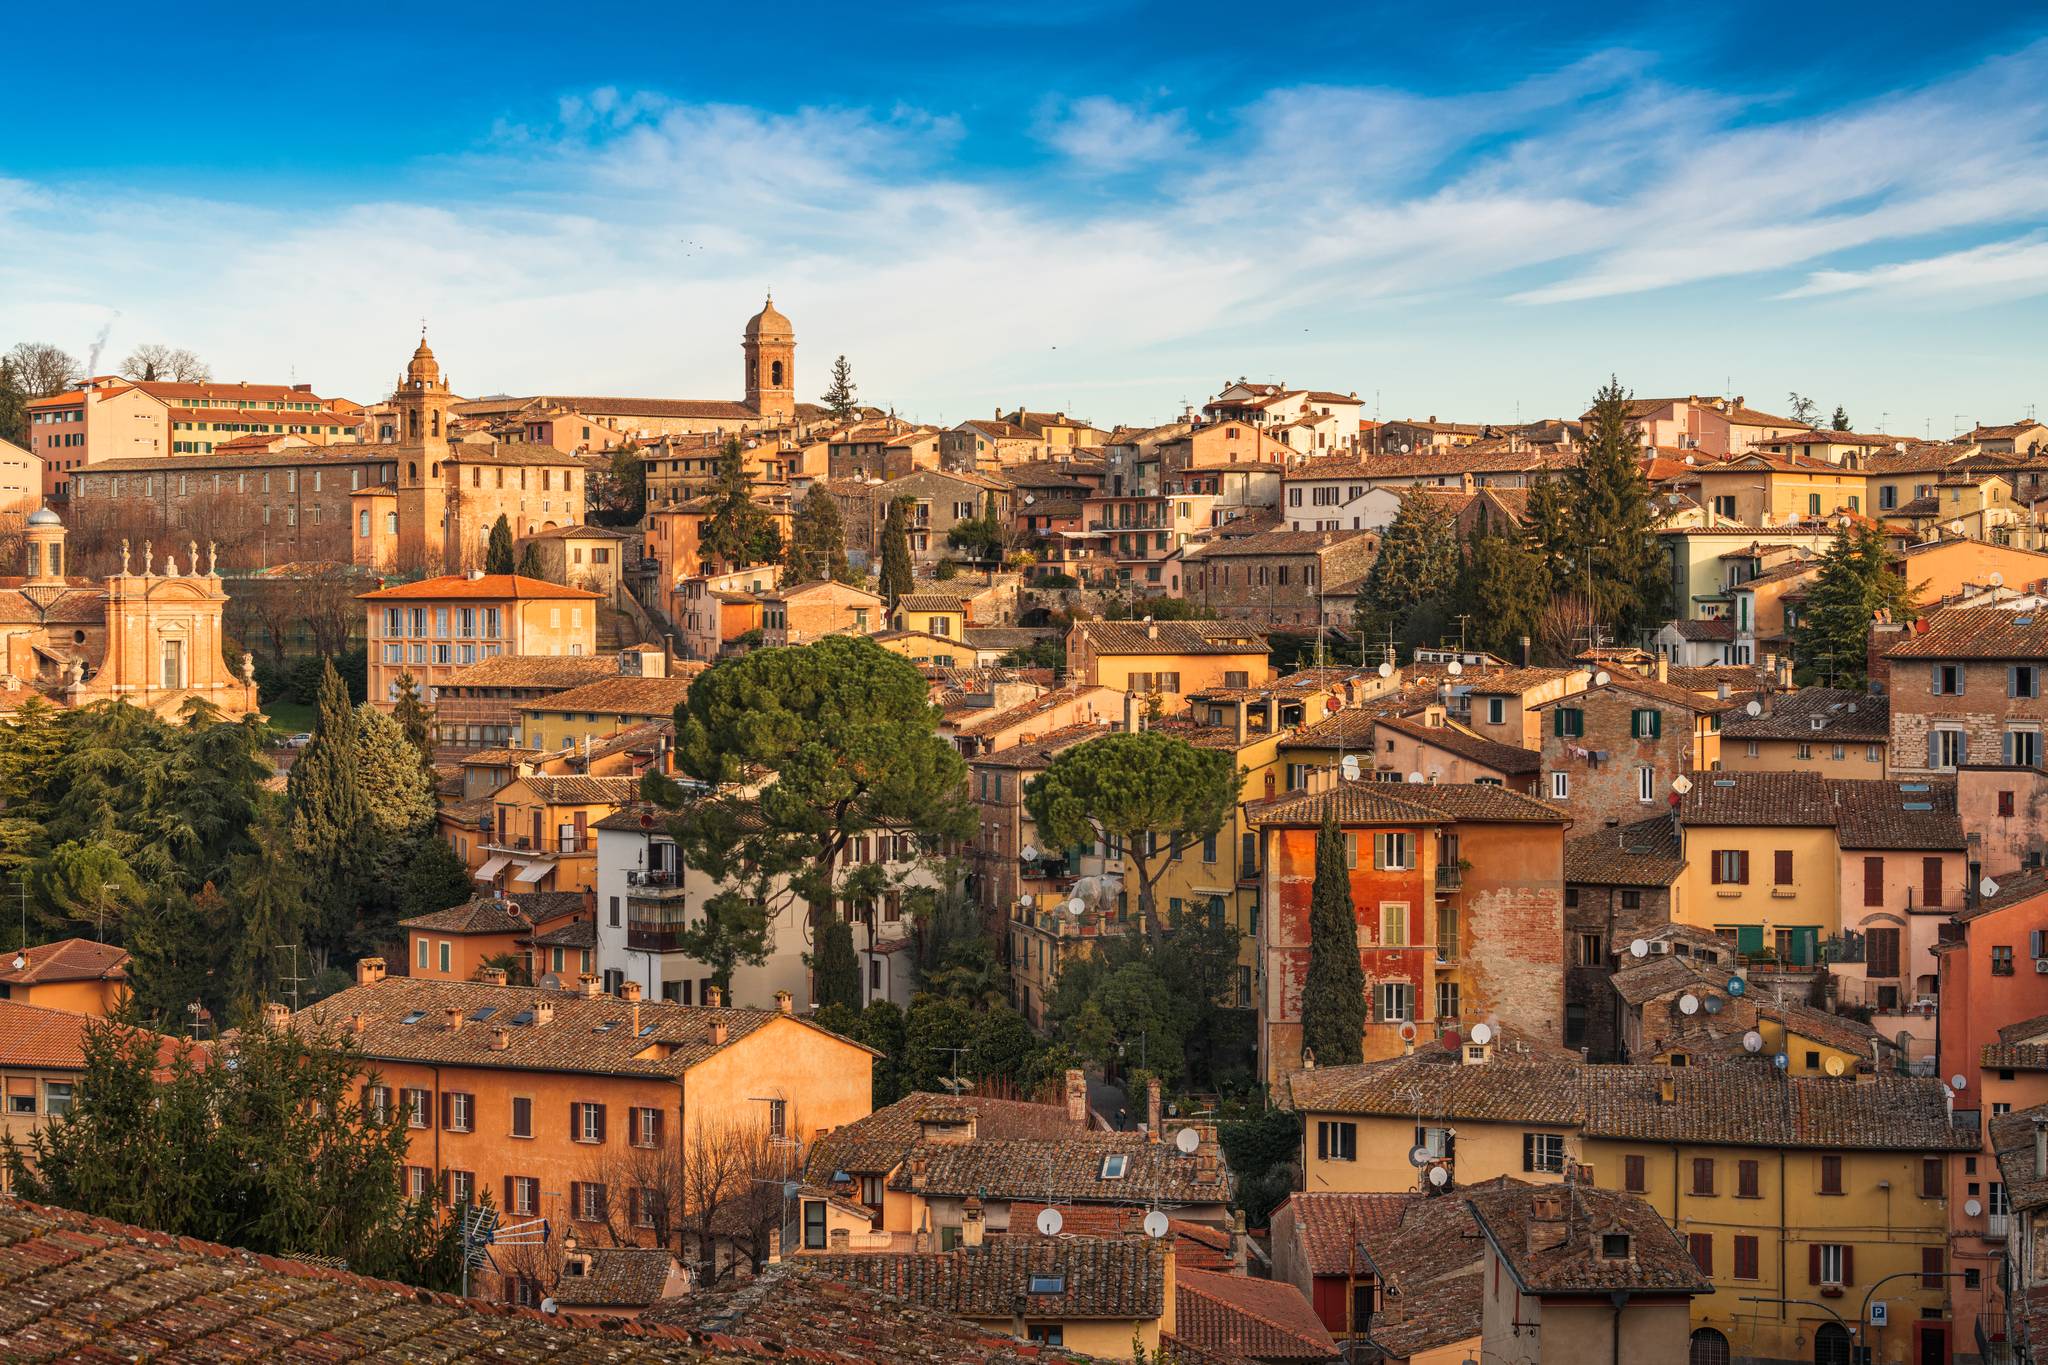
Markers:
point(1413, 575)
point(328, 815)
point(1608, 542)
point(397, 791)
point(530, 565)
point(1856, 581)
point(1802, 409)
point(13, 405)
point(415, 718)
point(498, 551)
point(738, 531)
point(1840, 421)
point(896, 571)
point(817, 541)
point(265, 907)
point(839, 393)
point(435, 879)
point(1503, 587)
point(626, 497)
point(835, 970)
point(1333, 1013)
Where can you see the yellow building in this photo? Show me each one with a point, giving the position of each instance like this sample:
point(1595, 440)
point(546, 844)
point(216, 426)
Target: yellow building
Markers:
point(1761, 864)
point(927, 650)
point(434, 628)
point(1833, 731)
point(540, 838)
point(76, 975)
point(584, 715)
point(1167, 659)
point(1797, 1196)
point(1770, 490)
point(933, 613)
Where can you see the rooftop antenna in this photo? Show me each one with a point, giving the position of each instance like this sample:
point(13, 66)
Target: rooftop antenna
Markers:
point(21, 952)
point(294, 978)
point(953, 1082)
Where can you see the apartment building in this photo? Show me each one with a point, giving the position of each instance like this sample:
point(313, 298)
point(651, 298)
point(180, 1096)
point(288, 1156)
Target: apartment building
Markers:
point(101, 420)
point(1167, 659)
point(1612, 751)
point(436, 627)
point(1968, 689)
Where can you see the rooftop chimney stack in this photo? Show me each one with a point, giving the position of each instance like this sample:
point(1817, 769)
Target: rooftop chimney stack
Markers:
point(971, 1222)
point(543, 1013)
point(501, 1038)
point(1152, 1108)
point(369, 971)
point(490, 976)
point(451, 1018)
point(1077, 1098)
point(785, 1003)
point(630, 993)
point(276, 1016)
point(1547, 1226)
point(718, 1033)
point(714, 998)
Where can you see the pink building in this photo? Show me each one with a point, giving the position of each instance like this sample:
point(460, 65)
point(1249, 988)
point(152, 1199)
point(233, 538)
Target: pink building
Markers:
point(104, 419)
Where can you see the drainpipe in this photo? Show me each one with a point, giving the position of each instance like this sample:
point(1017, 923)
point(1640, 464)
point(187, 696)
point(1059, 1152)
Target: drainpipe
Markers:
point(1620, 1298)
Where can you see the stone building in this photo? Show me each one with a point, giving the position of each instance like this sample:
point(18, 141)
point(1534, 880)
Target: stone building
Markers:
point(1617, 889)
point(1276, 577)
point(1611, 752)
point(1969, 690)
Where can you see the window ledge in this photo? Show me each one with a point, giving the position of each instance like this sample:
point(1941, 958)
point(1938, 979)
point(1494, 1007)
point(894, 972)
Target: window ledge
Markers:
point(1729, 895)
point(1783, 893)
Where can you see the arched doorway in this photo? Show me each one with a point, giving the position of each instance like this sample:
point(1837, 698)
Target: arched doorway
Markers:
point(1831, 1345)
point(1709, 1347)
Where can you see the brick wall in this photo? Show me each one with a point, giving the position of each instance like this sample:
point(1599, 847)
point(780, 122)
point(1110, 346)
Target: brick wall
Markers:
point(1607, 792)
point(1982, 712)
point(1586, 984)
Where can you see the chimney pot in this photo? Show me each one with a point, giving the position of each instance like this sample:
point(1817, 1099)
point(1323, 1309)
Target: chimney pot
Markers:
point(591, 987)
point(785, 1003)
point(630, 992)
point(718, 1033)
point(491, 976)
point(714, 998)
point(369, 971)
point(501, 1038)
point(451, 1018)
point(276, 1016)
point(543, 1013)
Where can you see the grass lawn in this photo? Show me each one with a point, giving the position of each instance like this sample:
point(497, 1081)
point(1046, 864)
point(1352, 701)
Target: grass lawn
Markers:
point(291, 717)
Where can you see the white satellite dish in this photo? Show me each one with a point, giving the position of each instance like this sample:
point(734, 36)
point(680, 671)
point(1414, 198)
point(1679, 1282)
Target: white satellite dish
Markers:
point(1075, 905)
point(547, 1305)
point(1155, 1224)
point(1639, 948)
point(1349, 767)
point(1186, 1140)
point(1688, 1004)
point(1752, 1041)
point(1987, 888)
point(1415, 777)
point(1755, 708)
point(1972, 1207)
point(1601, 679)
point(1386, 670)
point(1681, 784)
point(1029, 852)
point(1454, 668)
point(1997, 580)
point(1050, 1222)
point(1439, 1177)
point(1958, 1081)
point(1482, 1034)
point(1833, 1066)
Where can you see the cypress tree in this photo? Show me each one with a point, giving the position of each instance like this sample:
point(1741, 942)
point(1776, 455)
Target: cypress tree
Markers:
point(415, 718)
point(1333, 997)
point(896, 571)
point(1610, 545)
point(1503, 587)
point(328, 815)
point(498, 552)
point(1840, 421)
point(835, 970)
point(529, 562)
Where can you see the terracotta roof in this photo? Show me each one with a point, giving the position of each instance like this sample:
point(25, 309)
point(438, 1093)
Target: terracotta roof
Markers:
point(1707, 678)
point(1644, 853)
point(1039, 752)
point(1172, 637)
point(575, 789)
point(878, 1143)
point(1431, 1259)
point(577, 933)
point(1759, 798)
point(1510, 759)
point(1847, 716)
point(501, 758)
point(490, 585)
point(1657, 1262)
point(2012, 1137)
point(716, 409)
point(1639, 982)
point(67, 959)
point(1708, 631)
point(1404, 803)
point(1912, 814)
point(1330, 1224)
point(2013, 888)
point(619, 696)
point(1196, 1246)
point(617, 1277)
point(1500, 681)
point(1977, 633)
point(1113, 1278)
point(1278, 541)
point(1267, 1320)
point(484, 915)
point(585, 531)
point(930, 601)
point(2032, 1030)
point(1070, 1168)
point(586, 1035)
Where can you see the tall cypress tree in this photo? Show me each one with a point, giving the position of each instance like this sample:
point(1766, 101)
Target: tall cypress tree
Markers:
point(530, 565)
point(328, 816)
point(737, 532)
point(1333, 997)
point(1610, 548)
point(835, 970)
point(498, 551)
point(415, 718)
point(896, 571)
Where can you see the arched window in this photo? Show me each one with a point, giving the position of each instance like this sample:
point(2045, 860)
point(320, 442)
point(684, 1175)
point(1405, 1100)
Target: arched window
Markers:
point(775, 371)
point(412, 470)
point(1708, 1347)
point(1831, 1345)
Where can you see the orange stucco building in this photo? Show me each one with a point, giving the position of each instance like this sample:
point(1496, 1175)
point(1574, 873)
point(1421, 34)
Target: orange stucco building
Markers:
point(438, 626)
point(76, 975)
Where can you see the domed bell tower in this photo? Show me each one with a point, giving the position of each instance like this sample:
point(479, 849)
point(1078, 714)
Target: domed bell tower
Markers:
point(425, 407)
point(44, 540)
point(769, 346)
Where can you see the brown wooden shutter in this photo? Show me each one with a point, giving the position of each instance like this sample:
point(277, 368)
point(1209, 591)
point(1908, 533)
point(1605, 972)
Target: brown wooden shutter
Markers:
point(1742, 866)
point(1714, 867)
point(1930, 881)
point(1813, 1262)
point(507, 1205)
point(1930, 1177)
point(1745, 1179)
point(657, 1125)
point(575, 1120)
point(600, 1121)
point(1848, 1264)
point(1745, 1258)
point(601, 1209)
point(1873, 881)
point(1930, 1267)
point(1781, 870)
point(1702, 1251)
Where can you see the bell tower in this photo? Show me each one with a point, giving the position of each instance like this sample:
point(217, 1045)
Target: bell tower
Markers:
point(44, 542)
point(424, 407)
point(769, 345)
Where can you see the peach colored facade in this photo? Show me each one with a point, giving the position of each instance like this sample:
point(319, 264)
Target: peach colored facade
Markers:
point(801, 614)
point(21, 479)
point(439, 626)
point(109, 419)
point(1506, 713)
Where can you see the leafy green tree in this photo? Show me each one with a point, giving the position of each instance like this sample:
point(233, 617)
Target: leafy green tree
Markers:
point(329, 811)
point(275, 1153)
point(896, 574)
point(498, 549)
point(530, 565)
point(1003, 1047)
point(985, 538)
point(936, 1031)
point(1503, 587)
point(843, 731)
point(435, 879)
point(1609, 545)
point(415, 718)
point(88, 884)
point(882, 1028)
point(627, 494)
point(1333, 1009)
point(1154, 794)
point(1840, 421)
point(1413, 575)
point(817, 540)
point(838, 395)
point(1856, 581)
point(1264, 1150)
point(737, 530)
point(13, 405)
point(835, 969)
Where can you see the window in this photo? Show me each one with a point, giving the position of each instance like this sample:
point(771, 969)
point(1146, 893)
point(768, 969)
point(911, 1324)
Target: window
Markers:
point(1781, 867)
point(2001, 959)
point(522, 1194)
point(1592, 951)
point(1830, 1174)
point(1114, 1165)
point(1701, 1245)
point(1932, 1263)
point(1830, 1263)
point(462, 1187)
point(1731, 865)
point(645, 1126)
point(1543, 1153)
point(56, 1097)
point(1646, 785)
point(778, 1111)
point(814, 1224)
point(586, 1121)
point(1394, 1001)
point(2022, 680)
point(445, 949)
point(1560, 786)
point(2005, 803)
point(1745, 1257)
point(1496, 710)
point(522, 1116)
point(586, 1201)
point(1931, 1183)
point(1447, 1001)
point(1881, 953)
point(1393, 852)
point(1746, 1180)
point(1046, 1333)
point(418, 1181)
point(1393, 924)
point(1702, 1175)
point(2022, 748)
point(377, 1099)
point(416, 1108)
point(1568, 722)
point(458, 1111)
point(1631, 898)
point(1634, 1178)
point(1336, 1141)
point(1947, 680)
point(1645, 723)
point(1447, 935)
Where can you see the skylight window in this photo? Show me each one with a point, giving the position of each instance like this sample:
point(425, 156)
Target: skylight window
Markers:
point(646, 1029)
point(1048, 1284)
point(523, 1017)
point(414, 1017)
point(481, 1013)
point(606, 1027)
point(1113, 1166)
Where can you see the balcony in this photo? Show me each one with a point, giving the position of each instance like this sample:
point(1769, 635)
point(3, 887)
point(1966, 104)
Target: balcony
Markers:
point(657, 884)
point(1449, 877)
point(1996, 1227)
point(658, 932)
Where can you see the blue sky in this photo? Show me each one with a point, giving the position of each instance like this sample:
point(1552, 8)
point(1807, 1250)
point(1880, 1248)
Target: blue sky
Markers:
point(1475, 211)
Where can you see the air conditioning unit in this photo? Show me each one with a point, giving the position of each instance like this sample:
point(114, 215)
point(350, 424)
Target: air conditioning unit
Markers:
point(2041, 965)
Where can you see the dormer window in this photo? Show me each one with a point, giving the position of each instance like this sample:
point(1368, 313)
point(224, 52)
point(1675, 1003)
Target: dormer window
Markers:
point(1614, 1246)
point(1114, 1165)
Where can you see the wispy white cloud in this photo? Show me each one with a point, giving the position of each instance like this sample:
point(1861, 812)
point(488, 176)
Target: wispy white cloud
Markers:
point(1103, 134)
point(1996, 269)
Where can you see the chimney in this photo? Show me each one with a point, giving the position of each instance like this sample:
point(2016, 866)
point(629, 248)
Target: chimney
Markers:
point(785, 1003)
point(1547, 1227)
point(1077, 1098)
point(591, 988)
point(1667, 1090)
point(451, 1018)
point(1151, 629)
point(1243, 711)
point(917, 1172)
point(543, 1013)
point(369, 971)
point(630, 993)
point(490, 976)
point(718, 1033)
point(1663, 668)
point(714, 998)
point(1240, 1241)
point(970, 1222)
point(1523, 653)
point(359, 1022)
point(1723, 691)
point(276, 1016)
point(501, 1038)
point(1152, 1108)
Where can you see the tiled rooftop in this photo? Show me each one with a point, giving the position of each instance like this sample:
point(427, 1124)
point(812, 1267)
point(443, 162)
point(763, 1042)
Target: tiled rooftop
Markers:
point(67, 959)
point(1512, 1219)
point(1265, 1320)
point(1172, 637)
point(494, 586)
point(1009, 1274)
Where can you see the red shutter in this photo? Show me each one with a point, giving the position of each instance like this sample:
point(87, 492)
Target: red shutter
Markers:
point(1702, 1251)
point(1873, 881)
point(1745, 1258)
point(1848, 1264)
point(1781, 870)
point(1813, 1262)
point(1930, 881)
point(1742, 873)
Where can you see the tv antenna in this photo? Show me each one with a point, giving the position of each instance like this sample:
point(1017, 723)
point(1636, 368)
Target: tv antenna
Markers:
point(294, 979)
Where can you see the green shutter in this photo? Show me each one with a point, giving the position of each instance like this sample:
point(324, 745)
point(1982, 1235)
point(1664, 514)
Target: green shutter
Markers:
point(1557, 722)
point(1656, 725)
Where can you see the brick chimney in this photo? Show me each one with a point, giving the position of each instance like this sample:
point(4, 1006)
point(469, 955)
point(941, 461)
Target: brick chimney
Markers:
point(359, 1022)
point(1077, 1098)
point(1547, 1226)
point(369, 971)
point(490, 976)
point(714, 998)
point(785, 1003)
point(590, 987)
point(543, 1013)
point(718, 1033)
point(971, 1222)
point(1152, 1108)
point(276, 1016)
point(501, 1038)
point(451, 1018)
point(630, 993)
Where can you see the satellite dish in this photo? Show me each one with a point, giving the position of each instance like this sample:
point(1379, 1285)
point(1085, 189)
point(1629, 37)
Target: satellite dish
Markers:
point(1439, 1177)
point(1386, 670)
point(1987, 888)
point(1415, 777)
point(1075, 905)
point(1601, 679)
point(1736, 985)
point(1029, 853)
point(1752, 1041)
point(1833, 1066)
point(1050, 1222)
point(1482, 1034)
point(1418, 1157)
point(1997, 580)
point(1712, 1005)
point(1781, 1061)
point(548, 1305)
point(1681, 784)
point(1155, 1224)
point(1408, 1033)
point(1972, 1207)
point(1454, 668)
point(1349, 767)
point(1958, 1081)
point(1688, 1003)
point(1186, 1140)
point(1755, 708)
point(1639, 948)
point(1450, 1038)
